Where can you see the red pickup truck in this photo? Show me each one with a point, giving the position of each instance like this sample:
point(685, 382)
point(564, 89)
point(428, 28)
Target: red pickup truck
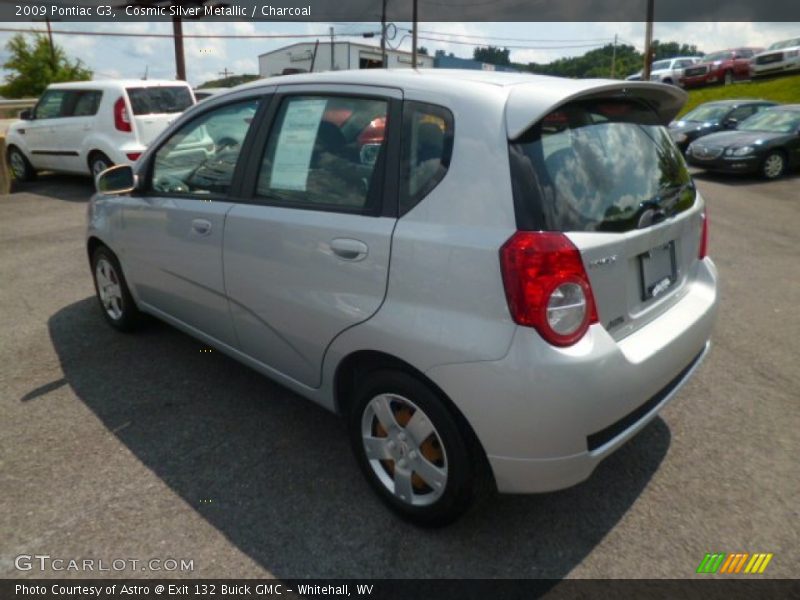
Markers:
point(725, 67)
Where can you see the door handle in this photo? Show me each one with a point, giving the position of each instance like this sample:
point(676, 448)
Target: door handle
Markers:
point(201, 226)
point(348, 249)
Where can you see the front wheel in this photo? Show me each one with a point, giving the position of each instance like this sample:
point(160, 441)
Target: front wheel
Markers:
point(774, 165)
point(119, 308)
point(411, 448)
point(20, 166)
point(728, 77)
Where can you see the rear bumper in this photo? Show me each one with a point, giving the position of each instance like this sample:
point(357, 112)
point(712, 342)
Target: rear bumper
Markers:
point(547, 416)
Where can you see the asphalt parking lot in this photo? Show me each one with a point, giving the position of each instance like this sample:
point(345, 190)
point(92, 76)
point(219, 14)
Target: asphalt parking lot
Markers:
point(142, 446)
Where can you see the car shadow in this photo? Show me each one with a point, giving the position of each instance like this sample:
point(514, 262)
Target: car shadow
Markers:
point(70, 188)
point(273, 472)
point(738, 179)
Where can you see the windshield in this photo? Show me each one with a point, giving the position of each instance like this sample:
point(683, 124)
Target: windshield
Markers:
point(706, 113)
point(785, 44)
point(162, 99)
point(660, 65)
point(597, 167)
point(772, 121)
point(717, 56)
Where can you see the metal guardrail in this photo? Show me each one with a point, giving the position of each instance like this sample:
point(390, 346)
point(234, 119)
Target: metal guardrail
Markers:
point(18, 103)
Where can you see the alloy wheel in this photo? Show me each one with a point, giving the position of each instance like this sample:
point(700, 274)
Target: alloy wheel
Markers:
point(109, 288)
point(773, 166)
point(18, 166)
point(404, 449)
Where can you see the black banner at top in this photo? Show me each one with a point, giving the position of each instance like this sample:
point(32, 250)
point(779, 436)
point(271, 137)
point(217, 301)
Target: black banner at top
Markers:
point(400, 10)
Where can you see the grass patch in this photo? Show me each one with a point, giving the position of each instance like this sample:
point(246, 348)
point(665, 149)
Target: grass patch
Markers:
point(779, 89)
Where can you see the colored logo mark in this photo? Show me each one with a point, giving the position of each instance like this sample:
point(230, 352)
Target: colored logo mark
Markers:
point(738, 562)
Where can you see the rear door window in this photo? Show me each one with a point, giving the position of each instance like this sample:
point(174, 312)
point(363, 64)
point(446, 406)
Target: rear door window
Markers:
point(82, 103)
point(597, 166)
point(160, 99)
point(323, 152)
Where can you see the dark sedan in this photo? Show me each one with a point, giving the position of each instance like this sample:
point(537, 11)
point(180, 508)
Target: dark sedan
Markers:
point(712, 117)
point(767, 143)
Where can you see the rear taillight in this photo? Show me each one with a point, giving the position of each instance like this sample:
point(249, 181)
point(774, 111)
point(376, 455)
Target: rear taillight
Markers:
point(703, 237)
point(546, 286)
point(133, 156)
point(122, 121)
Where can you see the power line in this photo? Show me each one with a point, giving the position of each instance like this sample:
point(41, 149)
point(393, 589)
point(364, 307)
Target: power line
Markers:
point(514, 39)
point(168, 35)
point(511, 47)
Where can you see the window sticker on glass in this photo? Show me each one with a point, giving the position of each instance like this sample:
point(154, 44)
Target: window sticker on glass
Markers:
point(296, 144)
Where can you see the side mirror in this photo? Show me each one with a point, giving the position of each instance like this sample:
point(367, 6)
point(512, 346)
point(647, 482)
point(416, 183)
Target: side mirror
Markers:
point(730, 123)
point(26, 115)
point(116, 181)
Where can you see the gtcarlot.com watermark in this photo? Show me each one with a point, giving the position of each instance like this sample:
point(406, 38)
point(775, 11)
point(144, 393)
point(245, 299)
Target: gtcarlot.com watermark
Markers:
point(45, 562)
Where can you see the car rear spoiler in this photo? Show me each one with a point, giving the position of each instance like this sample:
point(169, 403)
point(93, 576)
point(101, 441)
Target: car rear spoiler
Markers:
point(529, 102)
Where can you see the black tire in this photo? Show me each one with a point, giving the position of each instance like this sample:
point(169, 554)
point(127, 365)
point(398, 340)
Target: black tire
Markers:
point(773, 165)
point(98, 162)
point(667, 80)
point(123, 314)
point(20, 166)
point(448, 439)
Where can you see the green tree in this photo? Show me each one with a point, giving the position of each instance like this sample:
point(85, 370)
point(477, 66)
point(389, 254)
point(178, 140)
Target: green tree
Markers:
point(32, 67)
point(422, 50)
point(231, 81)
point(492, 55)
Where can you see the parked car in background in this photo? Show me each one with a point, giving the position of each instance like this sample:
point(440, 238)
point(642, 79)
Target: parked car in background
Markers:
point(712, 117)
point(203, 93)
point(85, 127)
point(767, 143)
point(668, 70)
point(725, 67)
point(515, 276)
point(780, 57)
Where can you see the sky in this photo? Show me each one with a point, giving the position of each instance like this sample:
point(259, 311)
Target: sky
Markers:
point(115, 57)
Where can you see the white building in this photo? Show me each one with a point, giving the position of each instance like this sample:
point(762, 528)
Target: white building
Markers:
point(346, 55)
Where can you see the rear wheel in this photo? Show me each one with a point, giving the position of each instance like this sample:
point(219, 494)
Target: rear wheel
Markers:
point(115, 299)
point(411, 448)
point(20, 166)
point(99, 162)
point(774, 165)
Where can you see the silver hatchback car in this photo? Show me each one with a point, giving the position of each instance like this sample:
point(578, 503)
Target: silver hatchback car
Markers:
point(473, 269)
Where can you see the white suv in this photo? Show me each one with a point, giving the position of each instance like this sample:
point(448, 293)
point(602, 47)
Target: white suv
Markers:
point(85, 127)
point(669, 70)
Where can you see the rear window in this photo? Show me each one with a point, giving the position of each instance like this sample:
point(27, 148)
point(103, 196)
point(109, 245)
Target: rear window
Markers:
point(597, 166)
point(159, 100)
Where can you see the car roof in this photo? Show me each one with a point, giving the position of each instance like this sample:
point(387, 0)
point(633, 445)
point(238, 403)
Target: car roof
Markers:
point(527, 97)
point(114, 84)
point(789, 107)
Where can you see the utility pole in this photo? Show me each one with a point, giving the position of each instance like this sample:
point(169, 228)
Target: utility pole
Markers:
point(614, 58)
point(331, 48)
point(314, 56)
point(383, 35)
point(414, 38)
point(225, 73)
point(52, 47)
point(648, 41)
point(180, 61)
